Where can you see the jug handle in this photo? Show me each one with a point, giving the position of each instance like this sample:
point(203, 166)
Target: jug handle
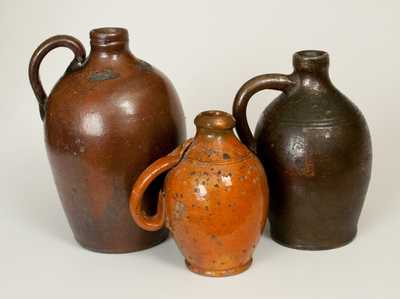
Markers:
point(155, 222)
point(49, 44)
point(268, 81)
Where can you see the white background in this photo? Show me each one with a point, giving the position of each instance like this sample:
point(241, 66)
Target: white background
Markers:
point(208, 49)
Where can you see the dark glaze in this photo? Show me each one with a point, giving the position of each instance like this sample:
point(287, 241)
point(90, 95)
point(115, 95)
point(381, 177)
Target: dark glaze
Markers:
point(215, 198)
point(316, 149)
point(106, 120)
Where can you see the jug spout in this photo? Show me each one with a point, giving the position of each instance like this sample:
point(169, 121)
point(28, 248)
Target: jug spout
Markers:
point(109, 43)
point(311, 61)
point(312, 69)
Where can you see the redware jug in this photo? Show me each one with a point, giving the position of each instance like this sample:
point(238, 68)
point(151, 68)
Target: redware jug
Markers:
point(215, 198)
point(315, 146)
point(107, 118)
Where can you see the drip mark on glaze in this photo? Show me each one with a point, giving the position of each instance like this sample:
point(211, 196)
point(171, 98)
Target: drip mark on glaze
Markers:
point(226, 156)
point(179, 209)
point(106, 74)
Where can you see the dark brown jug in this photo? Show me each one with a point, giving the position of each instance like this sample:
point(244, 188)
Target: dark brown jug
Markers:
point(108, 118)
point(315, 146)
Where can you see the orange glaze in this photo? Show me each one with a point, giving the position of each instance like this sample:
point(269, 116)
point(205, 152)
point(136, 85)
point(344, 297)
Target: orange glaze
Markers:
point(215, 198)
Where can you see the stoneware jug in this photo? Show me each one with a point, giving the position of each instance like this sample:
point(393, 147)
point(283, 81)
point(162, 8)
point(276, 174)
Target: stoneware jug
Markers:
point(215, 198)
point(315, 146)
point(107, 118)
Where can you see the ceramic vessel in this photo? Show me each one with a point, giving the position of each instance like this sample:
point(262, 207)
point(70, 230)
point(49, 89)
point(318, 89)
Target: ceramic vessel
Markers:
point(107, 118)
point(215, 198)
point(315, 146)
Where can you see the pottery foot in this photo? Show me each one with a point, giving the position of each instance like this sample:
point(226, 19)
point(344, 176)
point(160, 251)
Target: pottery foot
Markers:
point(219, 272)
point(314, 247)
point(120, 250)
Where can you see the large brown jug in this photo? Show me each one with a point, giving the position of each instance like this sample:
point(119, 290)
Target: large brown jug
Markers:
point(214, 200)
point(105, 121)
point(316, 149)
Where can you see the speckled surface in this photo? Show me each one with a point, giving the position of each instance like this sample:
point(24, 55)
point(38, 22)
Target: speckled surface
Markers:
point(216, 199)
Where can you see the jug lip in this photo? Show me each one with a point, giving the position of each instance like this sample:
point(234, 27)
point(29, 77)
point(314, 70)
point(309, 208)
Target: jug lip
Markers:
point(311, 54)
point(105, 35)
point(310, 60)
point(215, 120)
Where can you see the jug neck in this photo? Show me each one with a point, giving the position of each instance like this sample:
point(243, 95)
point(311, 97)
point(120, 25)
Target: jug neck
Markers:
point(312, 66)
point(215, 141)
point(214, 124)
point(109, 42)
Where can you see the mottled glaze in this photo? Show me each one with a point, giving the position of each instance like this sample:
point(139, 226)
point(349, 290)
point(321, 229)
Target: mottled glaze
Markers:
point(315, 146)
point(215, 198)
point(108, 118)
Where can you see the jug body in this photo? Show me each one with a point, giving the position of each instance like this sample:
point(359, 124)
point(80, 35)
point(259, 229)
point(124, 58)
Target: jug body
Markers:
point(316, 148)
point(105, 121)
point(216, 199)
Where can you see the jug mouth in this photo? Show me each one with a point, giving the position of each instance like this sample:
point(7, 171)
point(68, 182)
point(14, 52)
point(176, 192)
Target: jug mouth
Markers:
point(215, 120)
point(310, 60)
point(108, 35)
point(311, 54)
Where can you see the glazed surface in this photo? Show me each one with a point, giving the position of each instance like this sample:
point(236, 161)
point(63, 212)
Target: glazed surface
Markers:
point(214, 200)
point(217, 213)
point(319, 175)
point(315, 146)
point(107, 120)
point(216, 204)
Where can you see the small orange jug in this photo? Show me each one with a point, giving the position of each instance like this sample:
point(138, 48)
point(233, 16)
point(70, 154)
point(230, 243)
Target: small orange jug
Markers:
point(215, 198)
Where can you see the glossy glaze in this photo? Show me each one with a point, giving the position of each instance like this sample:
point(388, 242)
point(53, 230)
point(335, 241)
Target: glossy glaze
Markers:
point(215, 198)
point(105, 121)
point(316, 149)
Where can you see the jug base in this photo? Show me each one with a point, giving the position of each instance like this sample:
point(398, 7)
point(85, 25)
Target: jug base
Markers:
point(218, 273)
point(315, 247)
point(122, 249)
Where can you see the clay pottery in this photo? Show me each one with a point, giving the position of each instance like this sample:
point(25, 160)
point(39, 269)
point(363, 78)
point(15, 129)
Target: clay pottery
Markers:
point(315, 146)
point(107, 118)
point(215, 198)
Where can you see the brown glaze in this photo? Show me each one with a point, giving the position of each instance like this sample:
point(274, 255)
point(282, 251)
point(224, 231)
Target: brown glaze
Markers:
point(215, 198)
point(316, 149)
point(106, 120)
